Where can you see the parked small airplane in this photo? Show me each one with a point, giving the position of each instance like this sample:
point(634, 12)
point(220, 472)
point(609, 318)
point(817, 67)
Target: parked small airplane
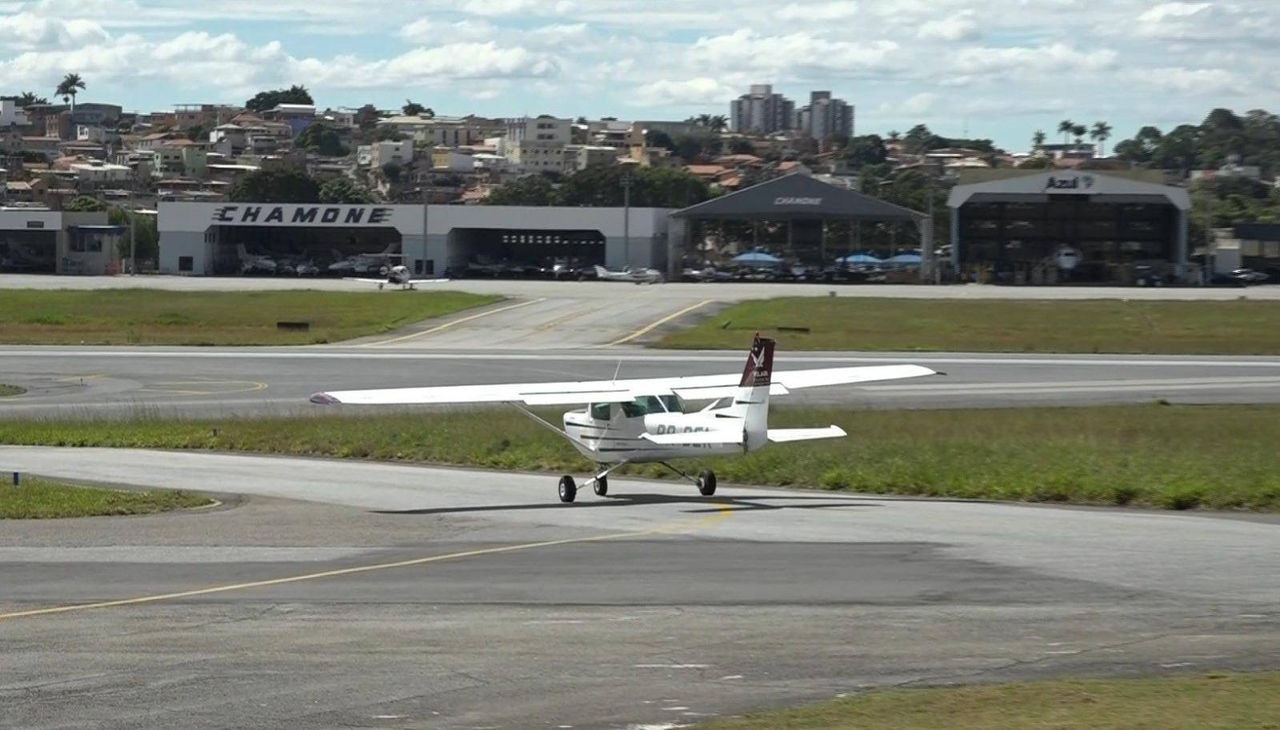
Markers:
point(644, 420)
point(253, 263)
point(631, 273)
point(396, 275)
point(364, 263)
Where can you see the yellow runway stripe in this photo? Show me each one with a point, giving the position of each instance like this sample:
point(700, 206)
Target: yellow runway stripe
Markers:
point(651, 326)
point(456, 322)
point(674, 527)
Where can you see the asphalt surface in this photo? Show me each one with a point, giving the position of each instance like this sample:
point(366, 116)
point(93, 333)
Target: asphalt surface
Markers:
point(327, 593)
point(463, 599)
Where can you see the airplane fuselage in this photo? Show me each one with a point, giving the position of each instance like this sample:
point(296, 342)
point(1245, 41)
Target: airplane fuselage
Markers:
point(619, 437)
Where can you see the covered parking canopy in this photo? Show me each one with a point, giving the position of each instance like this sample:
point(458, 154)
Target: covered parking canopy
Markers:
point(800, 198)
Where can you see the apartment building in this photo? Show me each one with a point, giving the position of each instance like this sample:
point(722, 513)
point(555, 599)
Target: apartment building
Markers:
point(536, 144)
point(825, 117)
point(761, 111)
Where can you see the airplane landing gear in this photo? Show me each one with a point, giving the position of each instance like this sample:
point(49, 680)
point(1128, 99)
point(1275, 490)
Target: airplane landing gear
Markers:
point(600, 485)
point(568, 490)
point(707, 483)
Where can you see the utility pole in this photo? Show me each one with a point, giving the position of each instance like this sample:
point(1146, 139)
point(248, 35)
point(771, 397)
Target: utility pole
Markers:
point(133, 235)
point(626, 218)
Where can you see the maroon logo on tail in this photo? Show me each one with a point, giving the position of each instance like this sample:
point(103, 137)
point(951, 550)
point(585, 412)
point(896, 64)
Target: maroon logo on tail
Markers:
point(759, 365)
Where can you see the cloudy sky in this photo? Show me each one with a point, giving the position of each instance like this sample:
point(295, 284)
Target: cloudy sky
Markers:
point(999, 69)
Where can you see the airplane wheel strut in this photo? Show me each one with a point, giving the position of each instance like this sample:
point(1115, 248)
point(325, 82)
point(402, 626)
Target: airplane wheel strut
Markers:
point(707, 483)
point(601, 486)
point(568, 490)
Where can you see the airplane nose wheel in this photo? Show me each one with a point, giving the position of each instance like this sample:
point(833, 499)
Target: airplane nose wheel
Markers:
point(707, 483)
point(568, 490)
point(601, 486)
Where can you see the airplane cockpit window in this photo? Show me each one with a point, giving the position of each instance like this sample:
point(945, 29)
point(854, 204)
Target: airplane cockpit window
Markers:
point(642, 405)
point(672, 403)
point(600, 411)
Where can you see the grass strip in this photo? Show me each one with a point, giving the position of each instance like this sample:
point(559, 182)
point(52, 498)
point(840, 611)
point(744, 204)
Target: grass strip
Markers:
point(1223, 701)
point(156, 317)
point(1171, 457)
point(37, 498)
point(1241, 327)
point(10, 390)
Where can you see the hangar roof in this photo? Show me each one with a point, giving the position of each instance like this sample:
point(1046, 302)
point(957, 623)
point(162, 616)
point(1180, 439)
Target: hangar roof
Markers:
point(798, 196)
point(1038, 187)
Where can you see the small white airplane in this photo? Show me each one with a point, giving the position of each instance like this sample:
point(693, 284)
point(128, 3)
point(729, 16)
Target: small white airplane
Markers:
point(254, 263)
point(631, 273)
point(644, 420)
point(397, 275)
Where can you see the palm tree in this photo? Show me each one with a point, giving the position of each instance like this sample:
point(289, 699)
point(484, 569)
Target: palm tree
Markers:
point(29, 98)
point(1101, 132)
point(895, 135)
point(1037, 139)
point(718, 123)
point(1064, 128)
point(71, 84)
point(1078, 131)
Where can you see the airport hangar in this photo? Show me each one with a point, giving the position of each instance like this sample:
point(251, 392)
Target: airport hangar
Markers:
point(1061, 226)
point(42, 241)
point(204, 238)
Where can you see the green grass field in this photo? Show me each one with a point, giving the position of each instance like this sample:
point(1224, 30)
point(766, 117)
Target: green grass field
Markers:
point(1209, 702)
point(154, 317)
point(45, 499)
point(1171, 457)
point(1105, 326)
point(11, 390)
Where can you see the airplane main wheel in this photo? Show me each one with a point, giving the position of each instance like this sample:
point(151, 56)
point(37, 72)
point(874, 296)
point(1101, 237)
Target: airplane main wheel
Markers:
point(568, 490)
point(379, 285)
point(601, 486)
point(707, 483)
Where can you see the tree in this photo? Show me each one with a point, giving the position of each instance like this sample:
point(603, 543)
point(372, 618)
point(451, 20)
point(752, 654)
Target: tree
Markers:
point(1065, 128)
point(70, 85)
point(275, 186)
point(1037, 139)
point(658, 138)
point(346, 190)
point(393, 172)
point(1100, 133)
point(322, 139)
point(366, 117)
point(86, 204)
point(920, 140)
point(1078, 131)
point(868, 149)
point(29, 98)
point(528, 190)
point(740, 146)
point(264, 100)
point(144, 239)
point(199, 132)
point(412, 108)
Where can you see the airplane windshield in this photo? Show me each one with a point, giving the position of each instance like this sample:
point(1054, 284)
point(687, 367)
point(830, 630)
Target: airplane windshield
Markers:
point(646, 404)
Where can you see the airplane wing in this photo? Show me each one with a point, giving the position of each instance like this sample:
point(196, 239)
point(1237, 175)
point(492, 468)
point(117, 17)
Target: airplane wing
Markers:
point(689, 387)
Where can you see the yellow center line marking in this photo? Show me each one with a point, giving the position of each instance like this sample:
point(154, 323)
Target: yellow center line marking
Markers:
point(722, 513)
point(571, 315)
point(455, 322)
point(651, 326)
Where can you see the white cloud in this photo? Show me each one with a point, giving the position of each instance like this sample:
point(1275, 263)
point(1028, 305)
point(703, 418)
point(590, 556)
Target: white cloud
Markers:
point(962, 26)
point(747, 51)
point(703, 91)
point(27, 31)
point(820, 12)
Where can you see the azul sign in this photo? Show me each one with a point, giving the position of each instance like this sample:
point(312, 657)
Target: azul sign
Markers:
point(797, 201)
point(303, 215)
point(1074, 183)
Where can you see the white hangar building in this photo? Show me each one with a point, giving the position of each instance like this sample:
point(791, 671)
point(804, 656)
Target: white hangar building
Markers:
point(218, 238)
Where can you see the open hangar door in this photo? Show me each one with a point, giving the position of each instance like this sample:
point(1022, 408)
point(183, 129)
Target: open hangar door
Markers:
point(29, 251)
point(502, 252)
point(303, 251)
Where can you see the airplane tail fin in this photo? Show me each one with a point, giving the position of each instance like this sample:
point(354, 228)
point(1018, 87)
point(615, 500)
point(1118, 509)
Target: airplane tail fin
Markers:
point(751, 401)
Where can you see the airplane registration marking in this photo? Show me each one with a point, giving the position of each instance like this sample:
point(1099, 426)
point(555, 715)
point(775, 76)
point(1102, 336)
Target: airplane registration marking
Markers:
point(723, 512)
point(455, 322)
point(654, 325)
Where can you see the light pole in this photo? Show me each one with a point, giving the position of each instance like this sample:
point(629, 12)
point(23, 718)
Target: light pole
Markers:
point(133, 235)
point(626, 213)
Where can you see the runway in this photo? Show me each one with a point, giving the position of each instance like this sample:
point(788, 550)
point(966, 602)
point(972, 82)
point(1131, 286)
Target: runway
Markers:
point(397, 596)
point(328, 593)
point(221, 381)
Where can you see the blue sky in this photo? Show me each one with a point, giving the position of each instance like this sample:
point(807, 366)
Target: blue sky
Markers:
point(999, 69)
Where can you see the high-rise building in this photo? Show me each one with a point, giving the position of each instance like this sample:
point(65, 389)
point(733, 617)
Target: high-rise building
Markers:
point(761, 111)
point(825, 118)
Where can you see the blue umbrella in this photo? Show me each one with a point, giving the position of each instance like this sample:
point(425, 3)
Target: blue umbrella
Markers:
point(858, 258)
point(756, 257)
